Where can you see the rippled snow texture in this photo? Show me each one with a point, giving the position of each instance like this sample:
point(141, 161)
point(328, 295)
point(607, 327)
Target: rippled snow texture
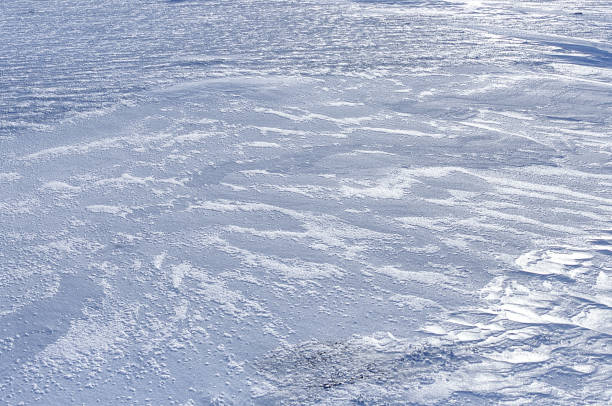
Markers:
point(255, 202)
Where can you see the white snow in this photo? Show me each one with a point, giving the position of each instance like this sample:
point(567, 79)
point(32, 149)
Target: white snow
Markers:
point(305, 202)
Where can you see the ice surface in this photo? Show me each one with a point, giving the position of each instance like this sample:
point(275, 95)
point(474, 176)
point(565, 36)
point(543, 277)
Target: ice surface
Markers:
point(313, 202)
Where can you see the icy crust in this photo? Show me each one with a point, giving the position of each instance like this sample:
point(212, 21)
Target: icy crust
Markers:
point(434, 234)
point(235, 254)
point(82, 71)
point(376, 368)
point(535, 341)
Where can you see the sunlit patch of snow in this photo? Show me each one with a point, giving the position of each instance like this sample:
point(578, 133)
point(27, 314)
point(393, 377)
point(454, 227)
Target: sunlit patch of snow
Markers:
point(108, 209)
point(262, 144)
point(9, 176)
point(405, 202)
point(391, 187)
point(58, 186)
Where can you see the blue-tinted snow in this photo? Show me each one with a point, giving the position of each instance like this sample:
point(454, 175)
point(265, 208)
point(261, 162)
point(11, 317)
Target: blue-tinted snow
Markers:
point(255, 202)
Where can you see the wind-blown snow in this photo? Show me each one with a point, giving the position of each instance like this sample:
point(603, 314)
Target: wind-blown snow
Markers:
point(318, 202)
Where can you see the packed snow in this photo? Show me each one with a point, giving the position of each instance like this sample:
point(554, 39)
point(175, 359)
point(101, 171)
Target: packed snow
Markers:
point(306, 202)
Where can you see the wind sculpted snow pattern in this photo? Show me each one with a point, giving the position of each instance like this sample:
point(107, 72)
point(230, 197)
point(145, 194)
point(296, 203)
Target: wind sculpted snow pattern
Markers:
point(306, 203)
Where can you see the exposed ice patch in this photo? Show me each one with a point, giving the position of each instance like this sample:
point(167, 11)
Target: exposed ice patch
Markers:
point(316, 371)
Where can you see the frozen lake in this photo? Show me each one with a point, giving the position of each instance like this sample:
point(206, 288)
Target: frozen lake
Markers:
point(305, 202)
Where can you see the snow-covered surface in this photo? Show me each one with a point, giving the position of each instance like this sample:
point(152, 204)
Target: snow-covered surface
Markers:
point(305, 202)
